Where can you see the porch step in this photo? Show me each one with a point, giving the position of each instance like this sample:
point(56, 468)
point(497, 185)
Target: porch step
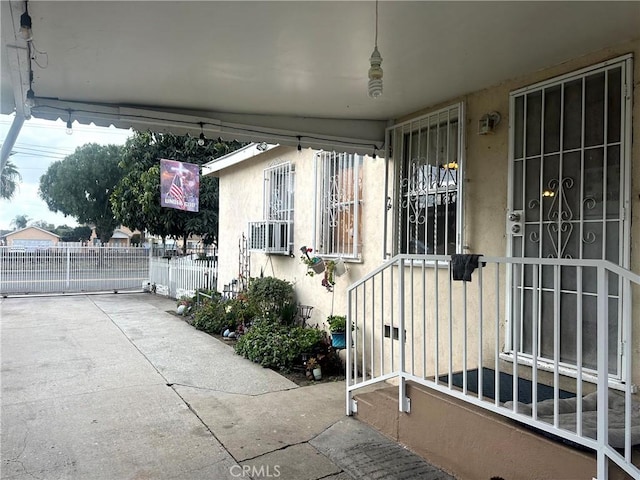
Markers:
point(472, 443)
point(379, 408)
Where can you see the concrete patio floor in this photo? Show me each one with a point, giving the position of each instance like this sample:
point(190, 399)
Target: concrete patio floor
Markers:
point(115, 387)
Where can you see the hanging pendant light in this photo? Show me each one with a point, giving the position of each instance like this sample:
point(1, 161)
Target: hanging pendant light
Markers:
point(202, 139)
point(25, 25)
point(375, 71)
point(69, 124)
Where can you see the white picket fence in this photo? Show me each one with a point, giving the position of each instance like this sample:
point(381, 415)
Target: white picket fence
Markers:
point(181, 276)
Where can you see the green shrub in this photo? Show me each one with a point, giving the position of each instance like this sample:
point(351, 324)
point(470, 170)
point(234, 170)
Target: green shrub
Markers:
point(277, 346)
point(212, 316)
point(273, 299)
point(240, 309)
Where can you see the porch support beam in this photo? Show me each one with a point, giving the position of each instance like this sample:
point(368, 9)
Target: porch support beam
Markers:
point(10, 140)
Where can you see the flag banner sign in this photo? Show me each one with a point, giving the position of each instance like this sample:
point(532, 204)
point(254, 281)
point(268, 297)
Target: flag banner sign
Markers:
point(179, 185)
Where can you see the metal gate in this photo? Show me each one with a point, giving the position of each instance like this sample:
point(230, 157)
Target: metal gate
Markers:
point(569, 199)
point(72, 269)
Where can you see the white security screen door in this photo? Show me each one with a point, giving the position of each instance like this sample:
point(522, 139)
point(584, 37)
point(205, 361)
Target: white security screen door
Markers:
point(569, 198)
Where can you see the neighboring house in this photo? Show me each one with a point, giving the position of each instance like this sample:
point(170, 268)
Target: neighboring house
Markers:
point(31, 238)
point(121, 237)
point(533, 173)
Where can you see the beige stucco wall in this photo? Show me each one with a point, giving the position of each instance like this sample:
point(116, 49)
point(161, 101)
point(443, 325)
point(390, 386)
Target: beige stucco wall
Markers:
point(241, 201)
point(486, 180)
point(485, 208)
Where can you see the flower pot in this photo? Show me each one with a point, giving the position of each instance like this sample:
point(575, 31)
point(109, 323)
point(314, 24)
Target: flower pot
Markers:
point(339, 268)
point(318, 265)
point(338, 339)
point(317, 373)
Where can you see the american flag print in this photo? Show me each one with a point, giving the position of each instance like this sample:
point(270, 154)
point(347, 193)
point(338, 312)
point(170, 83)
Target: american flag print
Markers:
point(177, 191)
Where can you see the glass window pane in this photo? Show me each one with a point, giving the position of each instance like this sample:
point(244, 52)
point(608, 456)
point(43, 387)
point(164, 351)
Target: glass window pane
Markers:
point(518, 134)
point(594, 110)
point(340, 184)
point(534, 123)
point(429, 175)
point(614, 104)
point(572, 124)
point(552, 104)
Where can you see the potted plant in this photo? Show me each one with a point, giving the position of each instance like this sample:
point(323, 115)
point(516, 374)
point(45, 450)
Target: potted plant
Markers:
point(334, 268)
point(184, 306)
point(338, 328)
point(314, 367)
point(314, 264)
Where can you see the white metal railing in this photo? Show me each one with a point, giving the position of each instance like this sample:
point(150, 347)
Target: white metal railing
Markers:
point(64, 269)
point(179, 276)
point(505, 329)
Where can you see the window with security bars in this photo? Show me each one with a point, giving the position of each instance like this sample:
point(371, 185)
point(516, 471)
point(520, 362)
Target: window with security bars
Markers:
point(339, 209)
point(275, 233)
point(427, 153)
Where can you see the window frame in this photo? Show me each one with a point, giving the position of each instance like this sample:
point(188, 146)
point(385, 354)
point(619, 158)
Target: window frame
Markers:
point(277, 214)
point(328, 200)
point(397, 161)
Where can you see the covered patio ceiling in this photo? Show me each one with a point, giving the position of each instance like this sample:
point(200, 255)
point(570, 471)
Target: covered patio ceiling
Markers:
point(287, 72)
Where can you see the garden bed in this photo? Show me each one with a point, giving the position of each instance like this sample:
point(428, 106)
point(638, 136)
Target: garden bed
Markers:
point(297, 375)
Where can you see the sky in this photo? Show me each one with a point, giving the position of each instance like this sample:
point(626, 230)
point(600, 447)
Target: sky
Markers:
point(39, 144)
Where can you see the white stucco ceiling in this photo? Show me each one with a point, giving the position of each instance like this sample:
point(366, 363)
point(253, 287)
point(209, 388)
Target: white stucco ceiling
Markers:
point(290, 65)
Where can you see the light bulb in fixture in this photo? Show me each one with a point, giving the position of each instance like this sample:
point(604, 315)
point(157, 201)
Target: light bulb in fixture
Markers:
point(299, 146)
point(375, 74)
point(69, 125)
point(202, 139)
point(375, 71)
point(25, 26)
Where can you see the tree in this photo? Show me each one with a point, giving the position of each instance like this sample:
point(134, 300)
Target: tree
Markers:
point(81, 186)
point(136, 199)
point(72, 234)
point(43, 224)
point(20, 221)
point(9, 180)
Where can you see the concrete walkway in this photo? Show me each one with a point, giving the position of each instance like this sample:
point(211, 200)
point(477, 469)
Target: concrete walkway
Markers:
point(113, 387)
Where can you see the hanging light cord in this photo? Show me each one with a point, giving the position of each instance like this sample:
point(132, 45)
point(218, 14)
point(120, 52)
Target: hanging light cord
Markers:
point(376, 40)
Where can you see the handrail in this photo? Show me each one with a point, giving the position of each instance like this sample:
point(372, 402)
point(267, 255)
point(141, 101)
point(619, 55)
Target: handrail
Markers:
point(384, 314)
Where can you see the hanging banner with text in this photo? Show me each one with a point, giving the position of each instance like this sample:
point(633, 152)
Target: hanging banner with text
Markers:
point(179, 185)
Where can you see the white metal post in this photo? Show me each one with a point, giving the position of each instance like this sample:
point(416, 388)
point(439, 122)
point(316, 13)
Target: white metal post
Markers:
point(68, 268)
point(603, 373)
point(348, 348)
point(403, 404)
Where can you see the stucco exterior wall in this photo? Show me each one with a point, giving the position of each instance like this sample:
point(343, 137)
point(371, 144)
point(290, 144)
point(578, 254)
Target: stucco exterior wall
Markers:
point(486, 181)
point(241, 201)
point(485, 207)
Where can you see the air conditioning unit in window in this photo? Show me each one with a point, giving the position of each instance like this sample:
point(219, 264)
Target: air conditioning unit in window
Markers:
point(270, 236)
